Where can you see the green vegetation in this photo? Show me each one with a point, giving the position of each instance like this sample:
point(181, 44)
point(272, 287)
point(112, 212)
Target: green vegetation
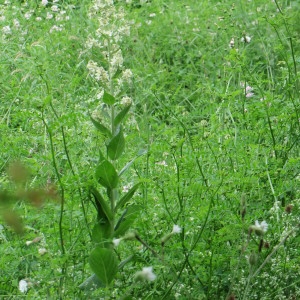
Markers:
point(149, 149)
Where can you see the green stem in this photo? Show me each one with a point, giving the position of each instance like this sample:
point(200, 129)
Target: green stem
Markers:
point(62, 203)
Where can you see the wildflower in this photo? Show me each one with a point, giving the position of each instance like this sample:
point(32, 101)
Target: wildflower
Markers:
point(152, 15)
point(259, 228)
point(6, 29)
point(49, 16)
point(16, 23)
point(28, 15)
point(176, 229)
point(54, 8)
point(146, 273)
point(44, 2)
point(28, 243)
point(116, 242)
point(231, 43)
point(249, 92)
point(246, 39)
point(23, 286)
point(162, 163)
point(42, 251)
point(126, 101)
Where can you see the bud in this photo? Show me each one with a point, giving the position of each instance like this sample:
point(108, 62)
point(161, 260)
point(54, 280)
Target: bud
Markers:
point(289, 208)
point(253, 259)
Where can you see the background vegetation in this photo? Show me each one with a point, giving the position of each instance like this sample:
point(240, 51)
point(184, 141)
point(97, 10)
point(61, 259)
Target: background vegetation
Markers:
point(214, 124)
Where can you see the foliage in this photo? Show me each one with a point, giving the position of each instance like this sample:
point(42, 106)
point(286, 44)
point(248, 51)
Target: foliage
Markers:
point(148, 116)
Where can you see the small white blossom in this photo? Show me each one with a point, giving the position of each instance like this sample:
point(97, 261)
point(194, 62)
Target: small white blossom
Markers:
point(42, 251)
point(146, 273)
point(28, 15)
point(231, 43)
point(263, 226)
point(162, 163)
point(23, 286)
point(116, 242)
point(246, 39)
point(176, 229)
point(126, 101)
point(28, 243)
point(49, 16)
point(44, 2)
point(6, 29)
point(54, 8)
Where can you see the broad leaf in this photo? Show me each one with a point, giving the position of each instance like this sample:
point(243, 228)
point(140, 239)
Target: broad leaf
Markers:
point(128, 165)
point(104, 263)
point(126, 220)
point(107, 175)
point(116, 145)
point(102, 233)
point(101, 205)
point(120, 116)
point(105, 131)
point(108, 98)
point(127, 196)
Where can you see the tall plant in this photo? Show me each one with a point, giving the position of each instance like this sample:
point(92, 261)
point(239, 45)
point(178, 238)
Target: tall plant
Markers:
point(111, 78)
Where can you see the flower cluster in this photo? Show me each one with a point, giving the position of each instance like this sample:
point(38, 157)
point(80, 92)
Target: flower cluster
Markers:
point(112, 28)
point(45, 11)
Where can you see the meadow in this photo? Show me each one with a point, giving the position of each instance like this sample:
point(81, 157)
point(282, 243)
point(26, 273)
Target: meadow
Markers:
point(149, 149)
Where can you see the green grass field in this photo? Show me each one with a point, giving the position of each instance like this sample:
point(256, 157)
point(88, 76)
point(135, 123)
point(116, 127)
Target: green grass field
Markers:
point(149, 149)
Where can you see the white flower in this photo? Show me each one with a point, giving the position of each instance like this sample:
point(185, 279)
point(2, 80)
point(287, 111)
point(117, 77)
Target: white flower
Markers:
point(28, 15)
point(147, 273)
point(246, 39)
point(28, 243)
point(176, 229)
point(231, 43)
point(6, 29)
point(49, 16)
point(116, 242)
point(162, 163)
point(54, 8)
point(42, 251)
point(44, 2)
point(126, 101)
point(263, 226)
point(23, 286)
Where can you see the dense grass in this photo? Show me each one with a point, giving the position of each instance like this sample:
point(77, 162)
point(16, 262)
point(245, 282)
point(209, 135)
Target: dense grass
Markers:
point(214, 126)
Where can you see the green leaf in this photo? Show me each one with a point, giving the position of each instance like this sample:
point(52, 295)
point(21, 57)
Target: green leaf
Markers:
point(108, 98)
point(128, 165)
point(107, 175)
point(126, 220)
point(92, 283)
point(105, 131)
point(102, 233)
point(116, 145)
point(127, 196)
point(101, 205)
point(104, 263)
point(120, 116)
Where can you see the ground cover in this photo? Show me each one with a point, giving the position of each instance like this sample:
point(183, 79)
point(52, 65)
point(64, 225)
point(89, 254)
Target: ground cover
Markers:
point(149, 149)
